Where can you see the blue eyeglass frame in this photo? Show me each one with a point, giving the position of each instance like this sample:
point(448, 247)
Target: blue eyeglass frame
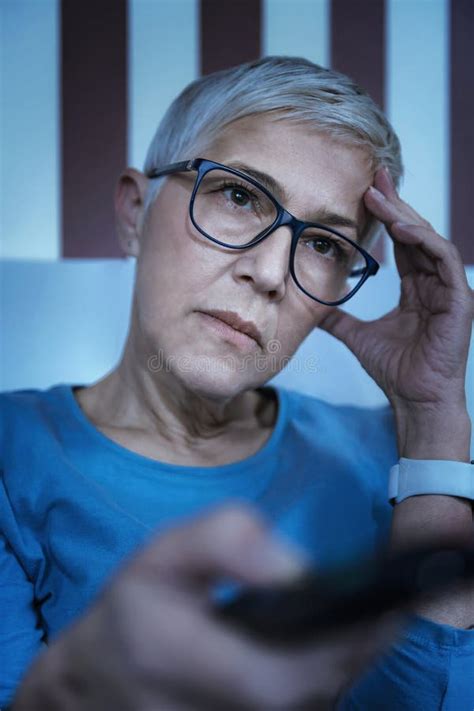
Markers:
point(283, 218)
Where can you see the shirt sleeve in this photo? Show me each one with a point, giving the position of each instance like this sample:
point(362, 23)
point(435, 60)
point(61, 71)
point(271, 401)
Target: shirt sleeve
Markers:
point(21, 636)
point(430, 667)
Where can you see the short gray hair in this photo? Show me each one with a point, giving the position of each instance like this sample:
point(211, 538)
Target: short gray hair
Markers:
point(293, 87)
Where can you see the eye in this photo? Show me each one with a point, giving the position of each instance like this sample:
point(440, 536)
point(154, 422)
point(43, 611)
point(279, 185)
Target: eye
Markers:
point(324, 246)
point(239, 196)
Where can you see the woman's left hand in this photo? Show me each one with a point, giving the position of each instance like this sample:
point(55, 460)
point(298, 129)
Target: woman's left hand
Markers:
point(417, 353)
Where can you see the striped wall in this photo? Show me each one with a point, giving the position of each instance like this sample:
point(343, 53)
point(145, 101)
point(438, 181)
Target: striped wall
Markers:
point(84, 85)
point(29, 130)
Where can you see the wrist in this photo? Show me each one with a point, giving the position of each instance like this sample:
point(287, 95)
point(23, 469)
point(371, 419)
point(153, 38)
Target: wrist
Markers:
point(414, 477)
point(433, 431)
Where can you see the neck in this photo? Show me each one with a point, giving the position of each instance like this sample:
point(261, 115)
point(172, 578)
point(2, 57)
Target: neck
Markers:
point(159, 405)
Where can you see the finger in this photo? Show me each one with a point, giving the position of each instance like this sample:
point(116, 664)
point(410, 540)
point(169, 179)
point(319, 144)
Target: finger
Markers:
point(286, 676)
point(431, 253)
point(390, 210)
point(227, 665)
point(231, 541)
point(430, 242)
point(407, 228)
point(418, 233)
point(342, 326)
point(413, 258)
point(384, 184)
point(259, 675)
point(173, 645)
point(338, 657)
point(410, 258)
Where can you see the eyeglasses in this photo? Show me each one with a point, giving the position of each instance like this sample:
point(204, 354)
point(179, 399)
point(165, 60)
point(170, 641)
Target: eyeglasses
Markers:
point(234, 210)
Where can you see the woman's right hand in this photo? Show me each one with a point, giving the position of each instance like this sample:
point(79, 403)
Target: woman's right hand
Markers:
point(150, 642)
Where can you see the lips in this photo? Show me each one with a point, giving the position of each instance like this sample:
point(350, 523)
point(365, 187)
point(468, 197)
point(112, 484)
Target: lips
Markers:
point(231, 318)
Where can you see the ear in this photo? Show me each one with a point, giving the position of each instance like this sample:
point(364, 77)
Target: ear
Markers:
point(130, 196)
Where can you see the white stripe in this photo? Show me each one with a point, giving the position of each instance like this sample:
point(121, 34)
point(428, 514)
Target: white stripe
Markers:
point(163, 58)
point(29, 146)
point(299, 28)
point(418, 102)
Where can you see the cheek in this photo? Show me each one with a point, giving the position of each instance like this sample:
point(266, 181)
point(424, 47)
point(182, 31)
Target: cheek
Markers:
point(168, 257)
point(296, 324)
point(175, 275)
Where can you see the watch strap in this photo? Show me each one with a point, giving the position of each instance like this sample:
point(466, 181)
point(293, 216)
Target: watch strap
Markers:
point(413, 477)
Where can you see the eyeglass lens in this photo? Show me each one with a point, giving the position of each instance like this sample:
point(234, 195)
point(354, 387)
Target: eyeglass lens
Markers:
point(234, 211)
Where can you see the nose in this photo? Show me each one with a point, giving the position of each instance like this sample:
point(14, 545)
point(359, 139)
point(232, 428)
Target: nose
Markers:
point(267, 264)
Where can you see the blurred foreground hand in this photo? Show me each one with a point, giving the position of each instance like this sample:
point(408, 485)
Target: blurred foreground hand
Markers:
point(151, 643)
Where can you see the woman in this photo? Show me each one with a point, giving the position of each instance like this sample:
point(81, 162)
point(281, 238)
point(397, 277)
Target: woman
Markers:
point(240, 254)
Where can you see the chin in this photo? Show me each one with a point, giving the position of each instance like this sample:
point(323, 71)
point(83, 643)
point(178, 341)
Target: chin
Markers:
point(218, 380)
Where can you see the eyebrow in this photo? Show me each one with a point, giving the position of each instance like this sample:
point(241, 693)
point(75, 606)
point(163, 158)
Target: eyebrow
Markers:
point(323, 215)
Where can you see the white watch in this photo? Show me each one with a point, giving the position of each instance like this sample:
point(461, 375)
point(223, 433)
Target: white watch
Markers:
point(412, 477)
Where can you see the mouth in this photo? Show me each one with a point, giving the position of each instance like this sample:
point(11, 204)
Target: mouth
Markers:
point(235, 322)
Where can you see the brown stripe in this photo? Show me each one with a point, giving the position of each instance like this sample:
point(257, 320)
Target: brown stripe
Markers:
point(358, 49)
point(94, 123)
point(462, 134)
point(230, 33)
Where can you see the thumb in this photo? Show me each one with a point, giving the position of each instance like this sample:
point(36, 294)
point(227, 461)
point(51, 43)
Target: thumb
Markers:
point(231, 541)
point(342, 326)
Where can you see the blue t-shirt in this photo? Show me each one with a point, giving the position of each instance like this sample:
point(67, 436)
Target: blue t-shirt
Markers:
point(74, 505)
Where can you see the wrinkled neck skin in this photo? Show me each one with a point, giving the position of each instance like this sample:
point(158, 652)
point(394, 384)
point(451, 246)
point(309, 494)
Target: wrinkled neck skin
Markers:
point(133, 398)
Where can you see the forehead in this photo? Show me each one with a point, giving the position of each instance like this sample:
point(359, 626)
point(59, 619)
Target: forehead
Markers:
point(314, 170)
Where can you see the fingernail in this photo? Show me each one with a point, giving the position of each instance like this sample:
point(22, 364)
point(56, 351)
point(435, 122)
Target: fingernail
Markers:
point(376, 193)
point(388, 174)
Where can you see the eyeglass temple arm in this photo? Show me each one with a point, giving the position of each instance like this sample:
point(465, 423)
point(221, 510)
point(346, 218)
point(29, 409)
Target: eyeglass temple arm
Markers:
point(172, 168)
point(373, 269)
